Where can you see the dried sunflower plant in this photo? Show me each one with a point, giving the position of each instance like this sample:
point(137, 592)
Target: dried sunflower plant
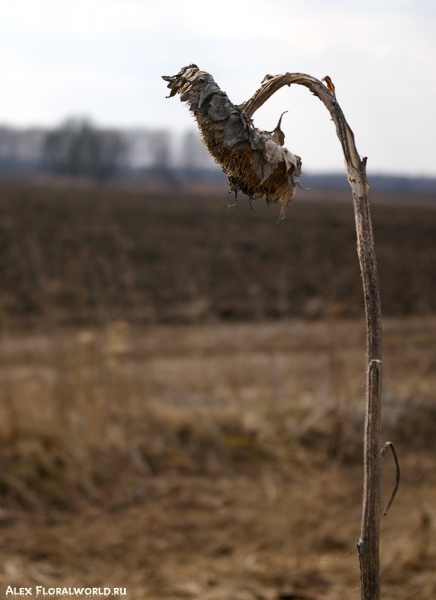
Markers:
point(257, 163)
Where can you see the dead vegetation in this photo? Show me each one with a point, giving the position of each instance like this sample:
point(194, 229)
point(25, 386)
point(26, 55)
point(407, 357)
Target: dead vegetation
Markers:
point(99, 255)
point(211, 461)
point(203, 457)
point(254, 161)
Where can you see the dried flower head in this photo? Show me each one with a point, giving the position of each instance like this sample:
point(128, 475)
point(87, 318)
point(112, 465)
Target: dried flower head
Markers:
point(254, 161)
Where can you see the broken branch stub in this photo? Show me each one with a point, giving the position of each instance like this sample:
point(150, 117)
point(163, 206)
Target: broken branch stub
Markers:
point(255, 162)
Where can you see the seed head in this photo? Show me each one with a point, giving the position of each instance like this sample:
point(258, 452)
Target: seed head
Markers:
point(255, 162)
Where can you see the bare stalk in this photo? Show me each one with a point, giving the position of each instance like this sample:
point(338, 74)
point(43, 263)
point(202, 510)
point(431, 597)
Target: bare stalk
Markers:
point(368, 544)
point(256, 164)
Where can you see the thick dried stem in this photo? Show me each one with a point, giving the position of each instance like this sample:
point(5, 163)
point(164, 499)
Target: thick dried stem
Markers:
point(368, 544)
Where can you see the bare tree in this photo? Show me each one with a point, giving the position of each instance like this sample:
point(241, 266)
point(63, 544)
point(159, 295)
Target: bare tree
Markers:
point(194, 156)
point(20, 149)
point(79, 149)
point(257, 163)
point(160, 142)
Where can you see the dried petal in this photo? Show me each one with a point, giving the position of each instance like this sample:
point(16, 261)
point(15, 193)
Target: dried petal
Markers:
point(234, 131)
point(220, 107)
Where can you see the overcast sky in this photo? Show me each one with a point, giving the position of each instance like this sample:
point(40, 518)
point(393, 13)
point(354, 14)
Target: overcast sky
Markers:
point(105, 58)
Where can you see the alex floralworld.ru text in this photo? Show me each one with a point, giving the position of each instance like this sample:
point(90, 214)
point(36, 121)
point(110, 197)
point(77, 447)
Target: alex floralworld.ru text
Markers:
point(63, 591)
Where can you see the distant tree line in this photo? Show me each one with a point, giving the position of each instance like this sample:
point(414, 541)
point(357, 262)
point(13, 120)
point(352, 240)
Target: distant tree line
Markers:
point(78, 148)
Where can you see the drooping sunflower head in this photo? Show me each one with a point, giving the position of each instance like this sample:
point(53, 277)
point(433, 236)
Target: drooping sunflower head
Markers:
point(255, 162)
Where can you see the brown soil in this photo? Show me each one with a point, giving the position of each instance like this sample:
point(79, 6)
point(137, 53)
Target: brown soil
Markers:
point(97, 254)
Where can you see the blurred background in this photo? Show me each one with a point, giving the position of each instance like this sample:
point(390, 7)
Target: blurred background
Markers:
point(181, 378)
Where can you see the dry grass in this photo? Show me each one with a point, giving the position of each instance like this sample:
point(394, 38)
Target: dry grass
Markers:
point(211, 460)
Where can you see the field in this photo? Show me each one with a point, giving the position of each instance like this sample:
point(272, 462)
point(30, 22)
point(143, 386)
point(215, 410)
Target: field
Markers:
point(181, 400)
point(90, 255)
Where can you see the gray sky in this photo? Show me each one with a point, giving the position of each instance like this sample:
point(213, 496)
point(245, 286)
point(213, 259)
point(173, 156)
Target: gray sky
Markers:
point(104, 59)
